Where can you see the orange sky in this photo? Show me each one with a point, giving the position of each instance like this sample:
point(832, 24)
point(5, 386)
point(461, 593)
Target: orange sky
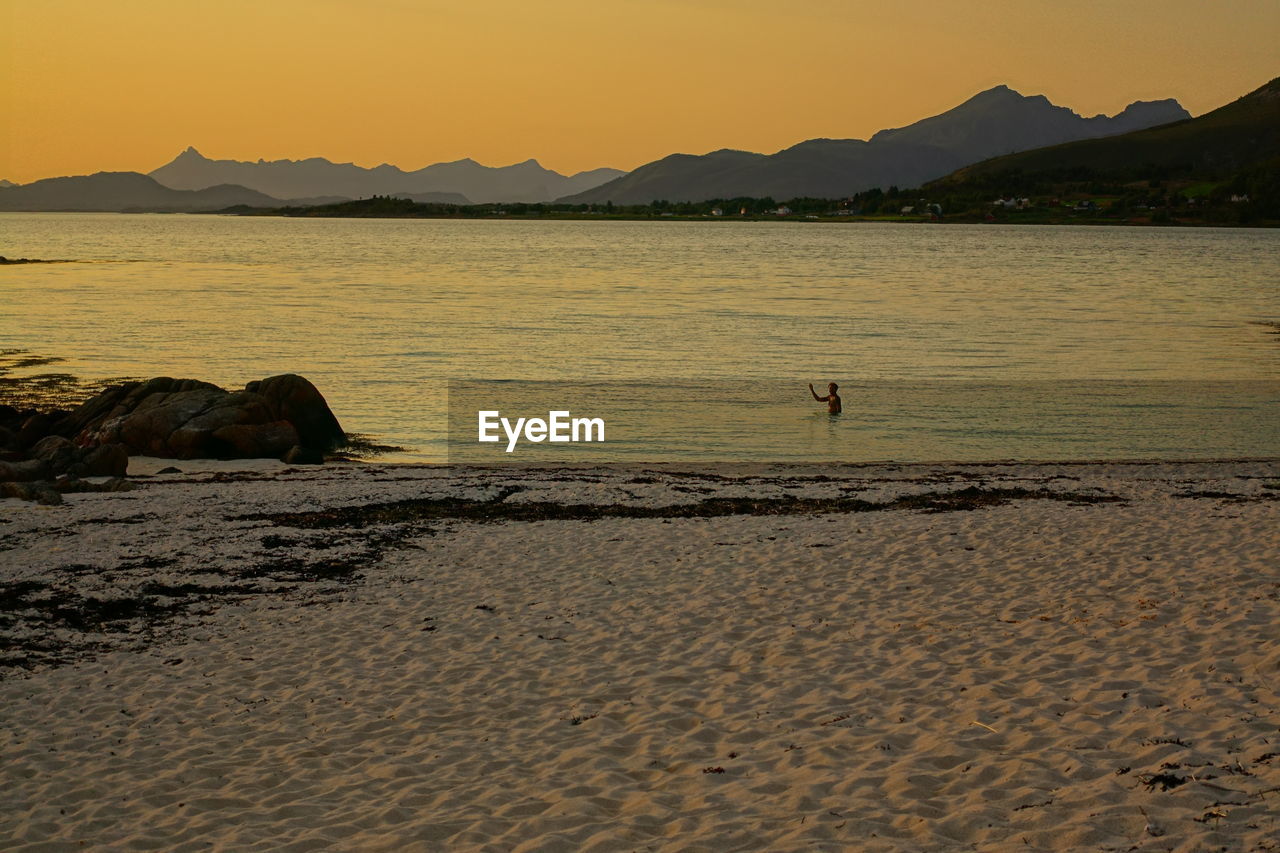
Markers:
point(87, 85)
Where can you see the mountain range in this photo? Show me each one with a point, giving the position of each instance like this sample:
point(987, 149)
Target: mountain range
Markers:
point(466, 181)
point(1240, 135)
point(124, 192)
point(992, 123)
point(997, 121)
point(193, 183)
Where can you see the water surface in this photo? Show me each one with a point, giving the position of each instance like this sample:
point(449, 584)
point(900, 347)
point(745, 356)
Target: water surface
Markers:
point(380, 314)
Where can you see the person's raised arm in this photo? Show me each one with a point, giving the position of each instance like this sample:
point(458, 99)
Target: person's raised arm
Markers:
point(815, 394)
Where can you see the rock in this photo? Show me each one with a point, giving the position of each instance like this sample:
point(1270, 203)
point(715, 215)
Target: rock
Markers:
point(106, 460)
point(120, 400)
point(57, 452)
point(26, 471)
point(68, 484)
point(40, 492)
point(35, 428)
point(63, 457)
point(148, 428)
point(169, 470)
point(258, 441)
point(299, 455)
point(50, 446)
point(188, 419)
point(294, 399)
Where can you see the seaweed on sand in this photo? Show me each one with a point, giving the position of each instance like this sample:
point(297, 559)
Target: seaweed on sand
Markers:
point(499, 509)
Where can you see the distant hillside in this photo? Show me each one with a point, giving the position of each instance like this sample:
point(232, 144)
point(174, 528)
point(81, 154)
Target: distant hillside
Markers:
point(4, 184)
point(1242, 134)
point(527, 181)
point(1006, 121)
point(993, 122)
point(375, 207)
point(432, 198)
point(124, 191)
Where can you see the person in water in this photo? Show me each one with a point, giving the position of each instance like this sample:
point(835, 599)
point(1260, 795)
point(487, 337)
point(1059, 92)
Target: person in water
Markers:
point(832, 399)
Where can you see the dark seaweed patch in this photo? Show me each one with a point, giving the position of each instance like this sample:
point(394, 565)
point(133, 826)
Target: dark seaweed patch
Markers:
point(1165, 781)
point(1231, 497)
point(498, 509)
point(46, 623)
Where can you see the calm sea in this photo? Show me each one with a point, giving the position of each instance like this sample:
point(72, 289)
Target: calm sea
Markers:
point(949, 342)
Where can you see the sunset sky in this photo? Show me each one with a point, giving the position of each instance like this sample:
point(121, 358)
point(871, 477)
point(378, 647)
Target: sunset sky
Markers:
point(87, 85)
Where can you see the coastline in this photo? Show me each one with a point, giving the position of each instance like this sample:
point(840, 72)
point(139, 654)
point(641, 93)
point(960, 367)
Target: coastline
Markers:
point(881, 220)
point(573, 217)
point(901, 656)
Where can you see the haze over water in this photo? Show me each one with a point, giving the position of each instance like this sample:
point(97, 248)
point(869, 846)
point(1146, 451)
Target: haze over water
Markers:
point(381, 314)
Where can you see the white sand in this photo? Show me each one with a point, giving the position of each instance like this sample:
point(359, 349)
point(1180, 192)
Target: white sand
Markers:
point(997, 679)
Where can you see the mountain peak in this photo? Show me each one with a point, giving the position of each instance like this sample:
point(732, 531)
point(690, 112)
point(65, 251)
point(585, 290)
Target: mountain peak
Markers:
point(190, 153)
point(1001, 92)
point(1162, 106)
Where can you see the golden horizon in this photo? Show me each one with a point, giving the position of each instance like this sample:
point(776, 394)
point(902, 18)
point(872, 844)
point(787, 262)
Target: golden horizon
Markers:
point(576, 85)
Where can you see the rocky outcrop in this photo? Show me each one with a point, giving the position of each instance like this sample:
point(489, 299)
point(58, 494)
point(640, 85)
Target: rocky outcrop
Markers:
point(50, 493)
point(54, 456)
point(292, 398)
point(188, 419)
point(45, 454)
point(53, 466)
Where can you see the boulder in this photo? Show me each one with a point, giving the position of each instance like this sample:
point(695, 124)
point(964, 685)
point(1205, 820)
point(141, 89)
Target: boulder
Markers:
point(299, 455)
point(148, 427)
point(35, 428)
point(26, 471)
point(188, 419)
point(292, 398)
point(106, 460)
point(54, 449)
point(61, 456)
point(67, 484)
point(258, 441)
point(120, 400)
point(41, 492)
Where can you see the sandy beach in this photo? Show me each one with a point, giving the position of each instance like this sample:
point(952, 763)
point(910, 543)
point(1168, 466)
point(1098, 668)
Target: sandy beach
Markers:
point(917, 657)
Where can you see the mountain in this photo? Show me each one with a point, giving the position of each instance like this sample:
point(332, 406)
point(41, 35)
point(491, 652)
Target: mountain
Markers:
point(527, 181)
point(434, 198)
point(994, 122)
point(583, 181)
point(1245, 133)
point(4, 184)
point(124, 191)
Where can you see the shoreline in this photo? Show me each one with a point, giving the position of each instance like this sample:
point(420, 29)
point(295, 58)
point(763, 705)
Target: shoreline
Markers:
point(829, 220)
point(1265, 224)
point(392, 656)
point(149, 464)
